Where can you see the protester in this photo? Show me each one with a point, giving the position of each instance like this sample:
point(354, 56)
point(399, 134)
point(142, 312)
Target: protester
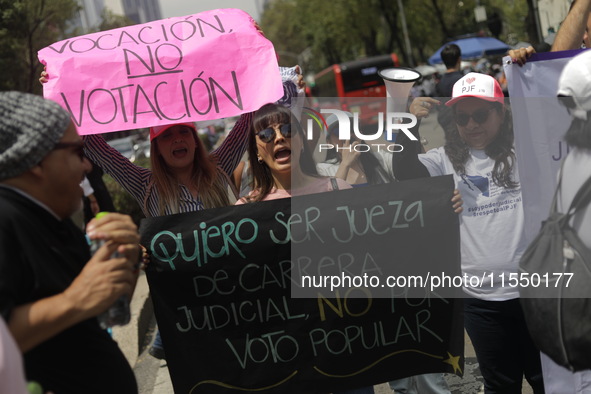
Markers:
point(358, 168)
point(452, 58)
point(51, 289)
point(573, 34)
point(183, 177)
point(574, 88)
point(480, 156)
point(271, 151)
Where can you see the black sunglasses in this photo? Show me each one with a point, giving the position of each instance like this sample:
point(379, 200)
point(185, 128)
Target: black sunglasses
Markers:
point(480, 116)
point(268, 134)
point(78, 147)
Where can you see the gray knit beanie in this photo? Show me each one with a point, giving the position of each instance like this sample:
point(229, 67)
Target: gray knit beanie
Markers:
point(30, 127)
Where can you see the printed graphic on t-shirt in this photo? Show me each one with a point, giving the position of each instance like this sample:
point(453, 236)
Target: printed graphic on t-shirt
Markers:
point(486, 198)
point(481, 183)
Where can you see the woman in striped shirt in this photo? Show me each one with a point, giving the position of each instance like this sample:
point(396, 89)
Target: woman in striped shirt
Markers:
point(184, 177)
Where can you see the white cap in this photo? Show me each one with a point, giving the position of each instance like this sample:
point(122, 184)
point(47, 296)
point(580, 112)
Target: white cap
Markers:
point(477, 85)
point(575, 82)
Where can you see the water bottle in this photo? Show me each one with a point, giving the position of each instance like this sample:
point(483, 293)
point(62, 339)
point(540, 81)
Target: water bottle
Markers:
point(118, 314)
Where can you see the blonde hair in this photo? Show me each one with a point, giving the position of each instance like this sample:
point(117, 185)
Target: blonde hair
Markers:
point(210, 181)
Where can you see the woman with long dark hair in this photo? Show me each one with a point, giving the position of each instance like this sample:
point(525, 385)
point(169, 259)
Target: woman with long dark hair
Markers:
point(275, 145)
point(479, 153)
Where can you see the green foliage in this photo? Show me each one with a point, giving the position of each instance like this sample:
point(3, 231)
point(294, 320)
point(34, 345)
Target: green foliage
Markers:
point(111, 20)
point(123, 201)
point(26, 26)
point(317, 34)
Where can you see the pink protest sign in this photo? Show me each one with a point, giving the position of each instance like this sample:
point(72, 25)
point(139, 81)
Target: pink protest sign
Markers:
point(199, 67)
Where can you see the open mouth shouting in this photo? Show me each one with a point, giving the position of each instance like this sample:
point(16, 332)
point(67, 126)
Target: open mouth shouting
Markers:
point(180, 152)
point(282, 155)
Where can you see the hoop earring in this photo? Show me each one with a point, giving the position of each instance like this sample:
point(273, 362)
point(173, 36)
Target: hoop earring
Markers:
point(260, 160)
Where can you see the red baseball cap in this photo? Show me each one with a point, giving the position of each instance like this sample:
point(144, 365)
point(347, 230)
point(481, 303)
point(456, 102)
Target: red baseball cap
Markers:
point(477, 85)
point(157, 130)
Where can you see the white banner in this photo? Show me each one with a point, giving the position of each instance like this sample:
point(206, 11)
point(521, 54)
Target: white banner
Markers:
point(539, 123)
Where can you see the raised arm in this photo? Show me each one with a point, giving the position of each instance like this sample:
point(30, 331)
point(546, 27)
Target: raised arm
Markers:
point(572, 31)
point(230, 152)
point(134, 179)
point(406, 164)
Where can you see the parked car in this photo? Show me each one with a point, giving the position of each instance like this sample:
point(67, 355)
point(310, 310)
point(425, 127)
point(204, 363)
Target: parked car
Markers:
point(124, 146)
point(142, 149)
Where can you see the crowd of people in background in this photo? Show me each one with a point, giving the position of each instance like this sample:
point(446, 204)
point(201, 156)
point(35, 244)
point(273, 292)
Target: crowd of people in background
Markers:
point(51, 288)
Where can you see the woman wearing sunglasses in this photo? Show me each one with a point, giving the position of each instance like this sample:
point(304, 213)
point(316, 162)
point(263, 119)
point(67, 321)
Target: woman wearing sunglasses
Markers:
point(479, 154)
point(275, 142)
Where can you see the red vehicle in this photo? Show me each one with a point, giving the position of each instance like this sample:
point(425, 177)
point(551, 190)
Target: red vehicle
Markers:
point(352, 80)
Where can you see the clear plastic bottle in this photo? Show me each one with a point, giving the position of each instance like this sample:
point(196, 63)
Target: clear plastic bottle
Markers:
point(119, 313)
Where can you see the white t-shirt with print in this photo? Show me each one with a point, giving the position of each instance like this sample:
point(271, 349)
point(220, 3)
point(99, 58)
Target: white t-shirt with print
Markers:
point(491, 225)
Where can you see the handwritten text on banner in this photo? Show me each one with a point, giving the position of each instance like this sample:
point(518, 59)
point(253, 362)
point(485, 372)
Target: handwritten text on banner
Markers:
point(198, 67)
point(222, 282)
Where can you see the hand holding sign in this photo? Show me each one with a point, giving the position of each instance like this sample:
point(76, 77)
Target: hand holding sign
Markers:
point(199, 67)
point(44, 76)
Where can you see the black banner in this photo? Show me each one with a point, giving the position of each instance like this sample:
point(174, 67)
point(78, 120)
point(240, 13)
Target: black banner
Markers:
point(223, 283)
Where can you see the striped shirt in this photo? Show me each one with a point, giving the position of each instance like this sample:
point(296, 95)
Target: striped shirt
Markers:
point(138, 181)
